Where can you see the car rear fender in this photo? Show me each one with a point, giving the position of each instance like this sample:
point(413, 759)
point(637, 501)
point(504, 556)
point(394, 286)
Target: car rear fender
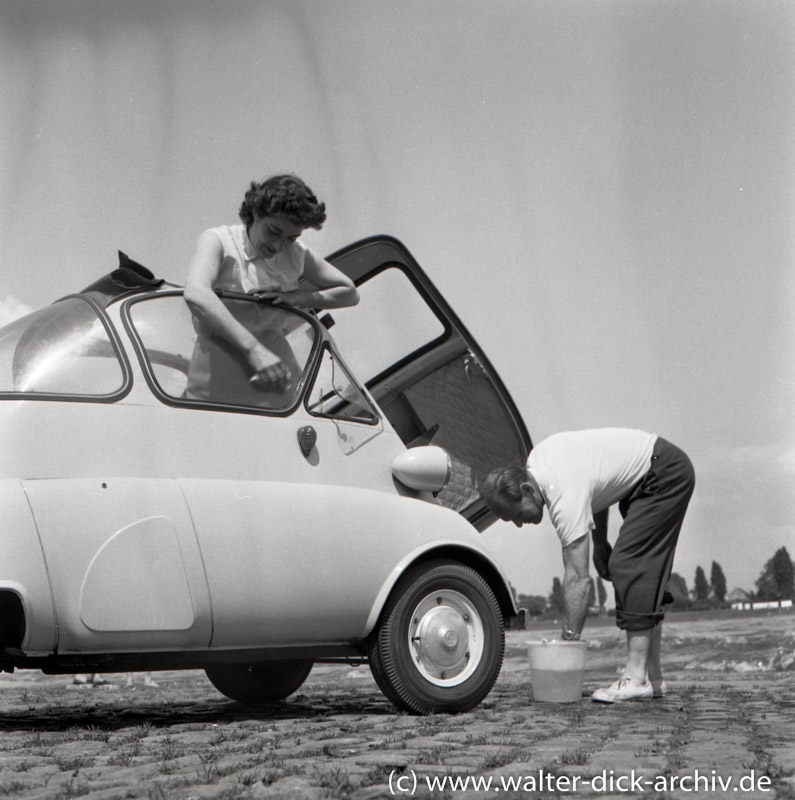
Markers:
point(452, 550)
point(23, 571)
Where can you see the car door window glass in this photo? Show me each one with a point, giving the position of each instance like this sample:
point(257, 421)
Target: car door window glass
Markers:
point(188, 362)
point(335, 394)
point(63, 349)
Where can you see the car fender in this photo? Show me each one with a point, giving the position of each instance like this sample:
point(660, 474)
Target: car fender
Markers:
point(465, 546)
point(124, 567)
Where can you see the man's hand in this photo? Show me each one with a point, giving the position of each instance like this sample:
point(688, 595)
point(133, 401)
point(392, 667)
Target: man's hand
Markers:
point(601, 557)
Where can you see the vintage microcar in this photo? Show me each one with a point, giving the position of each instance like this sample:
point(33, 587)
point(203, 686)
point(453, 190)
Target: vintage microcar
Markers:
point(147, 525)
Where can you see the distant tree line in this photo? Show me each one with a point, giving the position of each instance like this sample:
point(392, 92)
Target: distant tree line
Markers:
point(776, 582)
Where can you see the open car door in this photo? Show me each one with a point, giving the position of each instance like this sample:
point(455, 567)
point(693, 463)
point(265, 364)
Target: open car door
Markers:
point(427, 373)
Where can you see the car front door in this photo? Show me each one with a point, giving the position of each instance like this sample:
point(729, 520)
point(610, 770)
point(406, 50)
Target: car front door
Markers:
point(426, 371)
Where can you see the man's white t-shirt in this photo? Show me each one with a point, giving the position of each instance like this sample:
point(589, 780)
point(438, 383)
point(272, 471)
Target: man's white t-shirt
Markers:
point(583, 472)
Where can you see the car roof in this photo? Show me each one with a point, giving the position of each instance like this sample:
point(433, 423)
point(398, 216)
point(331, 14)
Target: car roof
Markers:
point(129, 278)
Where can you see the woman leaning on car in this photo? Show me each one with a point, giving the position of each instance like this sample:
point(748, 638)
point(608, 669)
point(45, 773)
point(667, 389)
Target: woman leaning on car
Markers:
point(261, 256)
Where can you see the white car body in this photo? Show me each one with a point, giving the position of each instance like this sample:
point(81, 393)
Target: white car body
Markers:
point(145, 530)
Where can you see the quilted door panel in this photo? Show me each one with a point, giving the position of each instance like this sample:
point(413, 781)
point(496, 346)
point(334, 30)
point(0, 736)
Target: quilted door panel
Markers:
point(472, 425)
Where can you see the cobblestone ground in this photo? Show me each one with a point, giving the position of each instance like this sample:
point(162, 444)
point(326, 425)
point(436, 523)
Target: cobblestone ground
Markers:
point(725, 730)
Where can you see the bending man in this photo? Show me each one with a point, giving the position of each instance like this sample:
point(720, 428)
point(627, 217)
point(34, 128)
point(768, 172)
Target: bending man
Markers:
point(578, 475)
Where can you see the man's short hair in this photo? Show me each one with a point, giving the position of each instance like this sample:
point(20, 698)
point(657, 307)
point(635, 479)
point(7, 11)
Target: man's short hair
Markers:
point(504, 483)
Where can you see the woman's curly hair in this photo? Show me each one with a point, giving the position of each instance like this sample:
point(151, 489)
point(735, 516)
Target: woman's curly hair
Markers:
point(283, 196)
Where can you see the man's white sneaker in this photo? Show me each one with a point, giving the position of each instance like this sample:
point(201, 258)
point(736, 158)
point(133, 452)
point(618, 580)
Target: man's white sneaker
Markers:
point(623, 689)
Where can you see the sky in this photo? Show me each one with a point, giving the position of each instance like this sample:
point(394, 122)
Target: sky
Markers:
point(604, 190)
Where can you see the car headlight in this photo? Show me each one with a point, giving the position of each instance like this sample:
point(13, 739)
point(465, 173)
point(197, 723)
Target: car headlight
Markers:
point(426, 468)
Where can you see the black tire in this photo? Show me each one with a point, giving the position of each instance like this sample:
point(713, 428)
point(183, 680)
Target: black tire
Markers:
point(439, 643)
point(380, 676)
point(259, 683)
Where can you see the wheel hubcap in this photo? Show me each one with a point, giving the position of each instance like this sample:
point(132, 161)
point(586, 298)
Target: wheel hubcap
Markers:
point(446, 638)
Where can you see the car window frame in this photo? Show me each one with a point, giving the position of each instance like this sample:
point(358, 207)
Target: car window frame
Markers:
point(431, 305)
point(118, 349)
point(307, 375)
point(330, 345)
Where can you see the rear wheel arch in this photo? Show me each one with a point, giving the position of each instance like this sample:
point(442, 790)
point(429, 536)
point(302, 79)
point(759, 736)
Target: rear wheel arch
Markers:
point(12, 619)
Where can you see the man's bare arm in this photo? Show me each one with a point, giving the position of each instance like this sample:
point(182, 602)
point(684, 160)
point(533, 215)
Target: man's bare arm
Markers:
point(576, 584)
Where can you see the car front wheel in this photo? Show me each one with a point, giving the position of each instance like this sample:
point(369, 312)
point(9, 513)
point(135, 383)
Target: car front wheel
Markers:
point(259, 683)
point(440, 641)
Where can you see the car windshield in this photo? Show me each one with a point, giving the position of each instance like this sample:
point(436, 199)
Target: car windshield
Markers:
point(187, 362)
point(61, 349)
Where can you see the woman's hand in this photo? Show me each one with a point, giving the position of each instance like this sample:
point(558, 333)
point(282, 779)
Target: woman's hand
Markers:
point(294, 298)
point(331, 288)
point(270, 372)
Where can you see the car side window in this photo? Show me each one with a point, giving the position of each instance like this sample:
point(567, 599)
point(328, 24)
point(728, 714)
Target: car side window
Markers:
point(62, 349)
point(187, 362)
point(335, 394)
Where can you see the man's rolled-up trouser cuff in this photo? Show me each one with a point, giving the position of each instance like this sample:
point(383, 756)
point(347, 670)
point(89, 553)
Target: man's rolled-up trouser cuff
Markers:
point(630, 621)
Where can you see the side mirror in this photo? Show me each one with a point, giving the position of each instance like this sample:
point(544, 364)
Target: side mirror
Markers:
point(426, 468)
